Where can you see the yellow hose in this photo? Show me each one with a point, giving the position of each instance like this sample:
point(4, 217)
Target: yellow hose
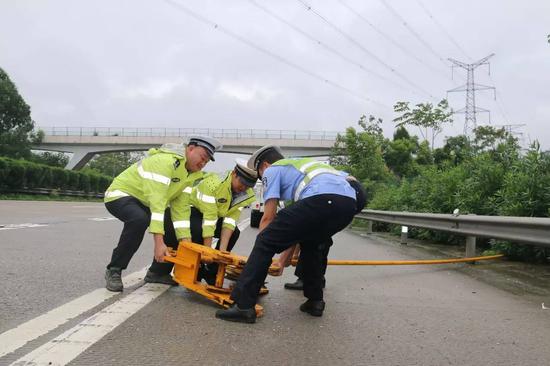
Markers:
point(333, 262)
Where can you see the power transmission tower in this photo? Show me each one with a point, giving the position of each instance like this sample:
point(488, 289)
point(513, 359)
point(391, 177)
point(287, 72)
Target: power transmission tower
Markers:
point(470, 110)
point(512, 129)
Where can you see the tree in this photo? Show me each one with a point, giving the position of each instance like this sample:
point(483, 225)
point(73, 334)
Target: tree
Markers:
point(425, 116)
point(16, 125)
point(360, 153)
point(113, 164)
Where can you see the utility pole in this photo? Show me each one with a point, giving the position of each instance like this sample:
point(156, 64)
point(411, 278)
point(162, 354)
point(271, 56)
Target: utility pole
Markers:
point(470, 110)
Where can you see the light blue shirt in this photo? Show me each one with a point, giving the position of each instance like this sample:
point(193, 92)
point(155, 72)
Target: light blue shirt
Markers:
point(281, 182)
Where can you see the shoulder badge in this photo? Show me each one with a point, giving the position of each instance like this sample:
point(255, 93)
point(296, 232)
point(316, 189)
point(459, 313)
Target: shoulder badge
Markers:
point(264, 181)
point(177, 163)
point(222, 200)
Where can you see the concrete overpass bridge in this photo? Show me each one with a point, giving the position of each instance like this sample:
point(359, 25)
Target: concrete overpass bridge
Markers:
point(85, 142)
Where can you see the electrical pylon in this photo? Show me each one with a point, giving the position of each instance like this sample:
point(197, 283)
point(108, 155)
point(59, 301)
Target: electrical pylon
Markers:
point(470, 110)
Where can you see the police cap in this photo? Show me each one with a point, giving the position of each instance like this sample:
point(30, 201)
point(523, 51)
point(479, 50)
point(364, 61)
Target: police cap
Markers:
point(268, 151)
point(209, 143)
point(246, 175)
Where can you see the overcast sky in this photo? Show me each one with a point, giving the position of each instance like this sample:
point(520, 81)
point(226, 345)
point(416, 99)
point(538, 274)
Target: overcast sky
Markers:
point(160, 63)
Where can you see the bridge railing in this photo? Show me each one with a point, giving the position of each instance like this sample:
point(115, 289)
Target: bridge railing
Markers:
point(529, 230)
point(185, 132)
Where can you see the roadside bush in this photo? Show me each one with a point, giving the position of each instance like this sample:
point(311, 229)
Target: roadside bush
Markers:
point(84, 182)
point(19, 174)
point(72, 182)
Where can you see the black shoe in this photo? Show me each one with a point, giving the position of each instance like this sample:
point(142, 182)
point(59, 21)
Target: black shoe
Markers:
point(113, 279)
point(313, 307)
point(236, 314)
point(298, 285)
point(165, 279)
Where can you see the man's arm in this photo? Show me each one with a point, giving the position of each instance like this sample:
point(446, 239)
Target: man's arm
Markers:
point(225, 236)
point(270, 211)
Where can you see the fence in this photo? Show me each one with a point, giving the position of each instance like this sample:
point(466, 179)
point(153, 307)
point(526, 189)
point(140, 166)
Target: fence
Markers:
point(184, 132)
point(530, 230)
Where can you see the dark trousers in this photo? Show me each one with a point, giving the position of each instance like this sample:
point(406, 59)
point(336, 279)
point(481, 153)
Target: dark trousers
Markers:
point(196, 237)
point(299, 271)
point(310, 222)
point(136, 217)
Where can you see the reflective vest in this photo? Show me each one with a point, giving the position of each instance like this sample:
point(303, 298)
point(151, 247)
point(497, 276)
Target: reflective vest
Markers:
point(310, 168)
point(214, 199)
point(157, 181)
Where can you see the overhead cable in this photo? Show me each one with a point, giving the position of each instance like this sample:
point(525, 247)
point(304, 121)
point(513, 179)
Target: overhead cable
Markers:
point(327, 47)
point(413, 32)
point(281, 59)
point(362, 48)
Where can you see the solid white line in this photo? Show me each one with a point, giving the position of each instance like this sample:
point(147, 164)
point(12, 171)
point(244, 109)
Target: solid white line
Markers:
point(17, 337)
point(76, 340)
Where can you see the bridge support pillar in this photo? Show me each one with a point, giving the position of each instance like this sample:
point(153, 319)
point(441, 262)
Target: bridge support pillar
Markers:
point(79, 159)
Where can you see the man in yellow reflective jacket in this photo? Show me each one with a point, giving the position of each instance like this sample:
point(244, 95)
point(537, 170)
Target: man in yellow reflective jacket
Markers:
point(140, 195)
point(214, 207)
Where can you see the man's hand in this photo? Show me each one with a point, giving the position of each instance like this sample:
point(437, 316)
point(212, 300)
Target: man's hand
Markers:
point(161, 250)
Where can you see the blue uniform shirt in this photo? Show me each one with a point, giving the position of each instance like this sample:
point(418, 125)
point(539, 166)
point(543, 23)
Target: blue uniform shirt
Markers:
point(281, 181)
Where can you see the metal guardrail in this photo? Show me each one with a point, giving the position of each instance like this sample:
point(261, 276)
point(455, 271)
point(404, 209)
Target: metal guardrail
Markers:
point(184, 132)
point(53, 192)
point(529, 230)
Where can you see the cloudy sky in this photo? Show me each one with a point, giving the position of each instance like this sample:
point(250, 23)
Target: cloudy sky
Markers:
point(286, 64)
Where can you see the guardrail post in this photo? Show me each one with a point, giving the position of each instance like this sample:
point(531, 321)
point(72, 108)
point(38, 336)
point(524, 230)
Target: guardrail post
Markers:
point(369, 227)
point(470, 247)
point(404, 234)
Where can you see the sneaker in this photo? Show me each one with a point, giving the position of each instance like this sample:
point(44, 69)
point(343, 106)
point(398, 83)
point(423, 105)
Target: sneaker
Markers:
point(313, 307)
point(236, 314)
point(165, 279)
point(113, 279)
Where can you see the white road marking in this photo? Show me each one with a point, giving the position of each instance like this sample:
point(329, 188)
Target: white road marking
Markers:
point(102, 218)
point(17, 337)
point(76, 340)
point(20, 226)
point(66, 347)
point(244, 224)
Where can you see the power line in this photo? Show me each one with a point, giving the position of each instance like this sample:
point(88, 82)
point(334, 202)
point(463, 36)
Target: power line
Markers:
point(440, 26)
point(327, 47)
point(390, 39)
point(281, 59)
point(413, 32)
point(362, 48)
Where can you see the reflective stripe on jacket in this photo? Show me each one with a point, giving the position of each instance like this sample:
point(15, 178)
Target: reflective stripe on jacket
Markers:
point(310, 168)
point(214, 199)
point(157, 181)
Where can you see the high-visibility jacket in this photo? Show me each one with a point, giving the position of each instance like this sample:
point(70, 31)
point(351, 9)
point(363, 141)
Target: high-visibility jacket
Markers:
point(310, 168)
point(158, 181)
point(214, 199)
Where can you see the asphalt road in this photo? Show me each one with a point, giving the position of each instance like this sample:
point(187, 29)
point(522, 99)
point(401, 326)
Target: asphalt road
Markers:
point(376, 315)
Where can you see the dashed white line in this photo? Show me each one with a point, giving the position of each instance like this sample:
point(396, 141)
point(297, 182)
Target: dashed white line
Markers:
point(102, 218)
point(20, 226)
point(17, 337)
point(76, 340)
